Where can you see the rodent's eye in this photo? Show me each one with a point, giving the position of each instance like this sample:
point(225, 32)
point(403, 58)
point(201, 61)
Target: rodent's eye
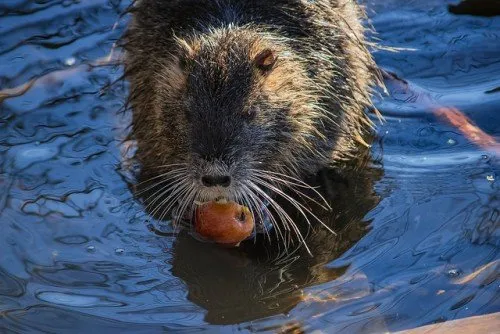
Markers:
point(265, 60)
point(252, 112)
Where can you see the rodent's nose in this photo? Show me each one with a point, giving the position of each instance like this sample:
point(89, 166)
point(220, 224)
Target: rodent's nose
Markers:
point(216, 180)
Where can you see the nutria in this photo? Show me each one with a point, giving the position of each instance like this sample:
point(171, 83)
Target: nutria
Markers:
point(241, 98)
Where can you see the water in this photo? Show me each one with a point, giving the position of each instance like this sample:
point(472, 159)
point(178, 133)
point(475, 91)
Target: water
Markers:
point(419, 239)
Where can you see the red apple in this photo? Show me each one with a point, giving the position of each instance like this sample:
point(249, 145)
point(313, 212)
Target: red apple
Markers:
point(225, 223)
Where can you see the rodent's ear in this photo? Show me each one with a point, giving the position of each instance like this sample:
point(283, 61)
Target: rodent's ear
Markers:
point(188, 50)
point(266, 59)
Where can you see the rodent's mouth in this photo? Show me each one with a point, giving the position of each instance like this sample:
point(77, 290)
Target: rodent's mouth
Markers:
point(260, 215)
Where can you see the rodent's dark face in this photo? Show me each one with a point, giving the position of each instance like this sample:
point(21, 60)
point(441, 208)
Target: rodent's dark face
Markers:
point(233, 105)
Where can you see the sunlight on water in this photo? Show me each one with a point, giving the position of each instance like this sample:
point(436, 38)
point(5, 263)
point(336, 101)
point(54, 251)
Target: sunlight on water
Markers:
point(74, 300)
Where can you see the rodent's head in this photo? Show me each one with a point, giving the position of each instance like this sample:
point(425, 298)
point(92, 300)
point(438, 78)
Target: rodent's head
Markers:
point(231, 105)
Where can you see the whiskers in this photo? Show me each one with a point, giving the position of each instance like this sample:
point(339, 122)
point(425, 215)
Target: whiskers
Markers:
point(174, 193)
point(255, 190)
point(169, 192)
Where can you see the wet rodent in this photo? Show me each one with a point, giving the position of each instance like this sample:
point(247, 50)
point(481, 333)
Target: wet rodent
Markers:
point(237, 98)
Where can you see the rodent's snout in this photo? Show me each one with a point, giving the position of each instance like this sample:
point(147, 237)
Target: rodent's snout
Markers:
point(216, 180)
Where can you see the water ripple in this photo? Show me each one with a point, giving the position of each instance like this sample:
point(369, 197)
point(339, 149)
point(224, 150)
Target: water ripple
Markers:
point(418, 239)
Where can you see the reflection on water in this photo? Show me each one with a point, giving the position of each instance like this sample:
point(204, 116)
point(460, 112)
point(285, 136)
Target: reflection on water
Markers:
point(418, 240)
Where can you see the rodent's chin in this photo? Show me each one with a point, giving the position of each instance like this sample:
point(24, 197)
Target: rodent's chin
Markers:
point(215, 193)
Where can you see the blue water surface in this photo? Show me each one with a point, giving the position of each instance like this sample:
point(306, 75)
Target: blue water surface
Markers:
point(76, 254)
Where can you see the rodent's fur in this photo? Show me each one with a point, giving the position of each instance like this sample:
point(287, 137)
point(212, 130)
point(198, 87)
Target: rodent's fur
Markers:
point(199, 100)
